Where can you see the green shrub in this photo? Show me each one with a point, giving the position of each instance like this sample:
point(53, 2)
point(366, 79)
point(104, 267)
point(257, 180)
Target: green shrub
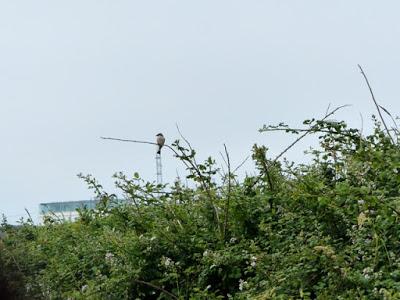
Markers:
point(326, 230)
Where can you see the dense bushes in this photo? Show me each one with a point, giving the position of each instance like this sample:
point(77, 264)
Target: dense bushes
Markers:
point(326, 230)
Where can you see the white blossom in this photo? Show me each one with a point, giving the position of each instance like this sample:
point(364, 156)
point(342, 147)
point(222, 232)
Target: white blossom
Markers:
point(367, 272)
point(109, 257)
point(167, 262)
point(242, 284)
point(253, 261)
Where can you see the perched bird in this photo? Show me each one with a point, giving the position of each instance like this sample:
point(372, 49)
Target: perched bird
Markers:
point(160, 142)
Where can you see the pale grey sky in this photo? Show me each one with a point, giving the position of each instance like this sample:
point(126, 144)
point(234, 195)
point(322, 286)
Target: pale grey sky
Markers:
point(71, 71)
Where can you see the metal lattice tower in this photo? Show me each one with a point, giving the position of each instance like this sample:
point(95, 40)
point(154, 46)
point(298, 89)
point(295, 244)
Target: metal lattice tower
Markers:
point(159, 169)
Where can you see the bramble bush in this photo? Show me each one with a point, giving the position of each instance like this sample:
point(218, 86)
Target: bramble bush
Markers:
point(324, 230)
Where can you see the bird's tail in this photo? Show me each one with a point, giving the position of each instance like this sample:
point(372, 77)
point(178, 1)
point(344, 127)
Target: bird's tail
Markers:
point(159, 150)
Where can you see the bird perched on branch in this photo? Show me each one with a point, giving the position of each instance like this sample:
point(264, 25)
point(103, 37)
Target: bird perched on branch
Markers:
point(160, 142)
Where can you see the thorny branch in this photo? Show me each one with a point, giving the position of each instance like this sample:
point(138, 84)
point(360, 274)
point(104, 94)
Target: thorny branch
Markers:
point(327, 115)
point(307, 132)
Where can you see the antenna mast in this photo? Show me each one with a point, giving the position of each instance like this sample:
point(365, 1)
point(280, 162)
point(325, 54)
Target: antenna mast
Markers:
point(159, 168)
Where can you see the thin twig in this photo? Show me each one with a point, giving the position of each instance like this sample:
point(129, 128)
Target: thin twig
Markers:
point(16, 263)
point(241, 164)
point(362, 124)
point(30, 217)
point(125, 140)
point(395, 210)
point(362, 129)
point(223, 158)
point(156, 287)
point(194, 163)
point(186, 141)
point(229, 191)
point(298, 130)
point(327, 110)
point(327, 115)
point(390, 115)
point(376, 103)
point(395, 128)
point(195, 167)
point(140, 142)
point(266, 171)
point(307, 132)
point(222, 172)
point(178, 177)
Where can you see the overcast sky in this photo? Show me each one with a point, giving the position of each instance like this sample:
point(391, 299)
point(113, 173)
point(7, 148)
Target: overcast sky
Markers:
point(72, 71)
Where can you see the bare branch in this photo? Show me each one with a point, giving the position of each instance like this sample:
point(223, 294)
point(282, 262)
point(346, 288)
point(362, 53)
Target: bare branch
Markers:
point(395, 128)
point(125, 140)
point(241, 164)
point(140, 142)
point(223, 158)
point(186, 141)
point(375, 102)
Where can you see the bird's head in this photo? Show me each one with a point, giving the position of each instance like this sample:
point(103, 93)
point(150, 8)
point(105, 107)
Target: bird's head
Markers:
point(160, 134)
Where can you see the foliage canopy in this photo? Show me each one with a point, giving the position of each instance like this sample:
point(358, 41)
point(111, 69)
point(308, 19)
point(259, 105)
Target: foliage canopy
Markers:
point(327, 230)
